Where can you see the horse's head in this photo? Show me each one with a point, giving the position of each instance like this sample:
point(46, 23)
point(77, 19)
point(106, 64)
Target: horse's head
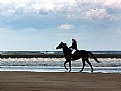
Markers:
point(61, 45)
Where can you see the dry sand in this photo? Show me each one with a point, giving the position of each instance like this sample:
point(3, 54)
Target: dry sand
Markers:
point(32, 81)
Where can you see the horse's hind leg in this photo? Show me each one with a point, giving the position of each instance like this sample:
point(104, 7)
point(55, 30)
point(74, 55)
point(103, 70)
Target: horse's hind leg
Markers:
point(83, 61)
point(65, 64)
point(90, 65)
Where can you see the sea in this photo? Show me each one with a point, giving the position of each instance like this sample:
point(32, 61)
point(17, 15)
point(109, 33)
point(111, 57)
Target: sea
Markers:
point(106, 65)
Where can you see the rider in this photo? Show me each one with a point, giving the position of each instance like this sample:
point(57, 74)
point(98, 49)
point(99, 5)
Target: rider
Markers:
point(74, 44)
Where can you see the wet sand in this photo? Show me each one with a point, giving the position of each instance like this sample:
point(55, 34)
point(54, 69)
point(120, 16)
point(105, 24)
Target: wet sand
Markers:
point(63, 81)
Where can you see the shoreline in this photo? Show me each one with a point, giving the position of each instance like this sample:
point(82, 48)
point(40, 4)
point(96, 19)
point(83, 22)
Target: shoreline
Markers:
point(65, 81)
point(52, 69)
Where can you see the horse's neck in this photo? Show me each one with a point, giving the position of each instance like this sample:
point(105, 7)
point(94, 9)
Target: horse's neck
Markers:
point(66, 50)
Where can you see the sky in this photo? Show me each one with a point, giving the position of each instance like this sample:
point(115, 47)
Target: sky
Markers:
point(40, 25)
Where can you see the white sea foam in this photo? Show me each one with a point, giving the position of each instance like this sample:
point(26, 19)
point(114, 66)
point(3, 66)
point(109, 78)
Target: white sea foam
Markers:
point(105, 62)
point(107, 65)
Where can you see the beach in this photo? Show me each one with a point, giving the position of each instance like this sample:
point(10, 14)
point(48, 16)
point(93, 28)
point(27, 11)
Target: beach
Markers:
point(47, 73)
point(60, 81)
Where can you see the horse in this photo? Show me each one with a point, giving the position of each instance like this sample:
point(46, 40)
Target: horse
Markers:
point(75, 56)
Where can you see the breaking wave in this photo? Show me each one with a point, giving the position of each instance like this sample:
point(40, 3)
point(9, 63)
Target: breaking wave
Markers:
point(105, 62)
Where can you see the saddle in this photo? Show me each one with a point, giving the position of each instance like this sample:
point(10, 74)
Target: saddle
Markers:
point(74, 55)
point(75, 52)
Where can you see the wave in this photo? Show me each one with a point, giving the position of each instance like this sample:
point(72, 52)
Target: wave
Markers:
point(105, 62)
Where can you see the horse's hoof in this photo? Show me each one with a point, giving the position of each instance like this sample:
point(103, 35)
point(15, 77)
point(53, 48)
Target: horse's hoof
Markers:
point(66, 68)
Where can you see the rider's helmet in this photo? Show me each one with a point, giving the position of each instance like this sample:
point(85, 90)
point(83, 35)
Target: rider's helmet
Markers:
point(73, 39)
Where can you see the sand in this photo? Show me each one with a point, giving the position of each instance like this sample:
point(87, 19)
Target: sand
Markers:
point(63, 81)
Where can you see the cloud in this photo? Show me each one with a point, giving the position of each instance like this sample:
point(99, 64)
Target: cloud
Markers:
point(96, 10)
point(66, 27)
point(112, 4)
point(70, 8)
point(5, 30)
point(96, 14)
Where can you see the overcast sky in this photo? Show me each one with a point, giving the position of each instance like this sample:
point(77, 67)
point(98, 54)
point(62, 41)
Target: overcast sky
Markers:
point(43, 24)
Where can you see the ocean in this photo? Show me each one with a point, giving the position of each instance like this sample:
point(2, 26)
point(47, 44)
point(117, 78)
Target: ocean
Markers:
point(106, 65)
point(53, 52)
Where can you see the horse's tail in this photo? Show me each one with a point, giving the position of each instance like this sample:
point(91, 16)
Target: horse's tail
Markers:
point(93, 56)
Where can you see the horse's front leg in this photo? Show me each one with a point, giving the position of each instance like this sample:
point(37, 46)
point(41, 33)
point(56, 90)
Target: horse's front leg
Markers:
point(65, 64)
point(70, 65)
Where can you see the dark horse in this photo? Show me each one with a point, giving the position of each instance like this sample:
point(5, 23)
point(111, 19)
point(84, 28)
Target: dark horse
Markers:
point(75, 56)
